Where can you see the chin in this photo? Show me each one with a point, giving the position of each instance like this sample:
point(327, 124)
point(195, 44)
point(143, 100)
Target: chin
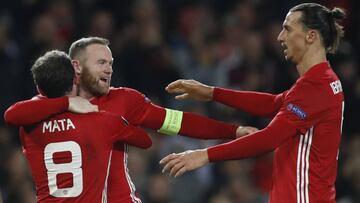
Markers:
point(288, 58)
point(105, 90)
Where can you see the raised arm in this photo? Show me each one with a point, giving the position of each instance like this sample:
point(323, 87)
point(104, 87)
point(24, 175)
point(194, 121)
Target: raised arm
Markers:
point(35, 110)
point(266, 140)
point(32, 111)
point(257, 103)
point(260, 104)
point(139, 110)
point(173, 122)
point(278, 131)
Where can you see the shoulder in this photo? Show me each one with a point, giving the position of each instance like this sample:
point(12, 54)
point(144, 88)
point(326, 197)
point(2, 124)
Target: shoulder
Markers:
point(127, 95)
point(326, 84)
point(121, 91)
point(322, 91)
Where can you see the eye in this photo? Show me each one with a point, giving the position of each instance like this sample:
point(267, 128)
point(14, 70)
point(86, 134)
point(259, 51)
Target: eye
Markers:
point(101, 62)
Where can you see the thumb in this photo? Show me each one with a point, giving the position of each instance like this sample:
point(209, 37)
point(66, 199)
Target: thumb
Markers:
point(182, 97)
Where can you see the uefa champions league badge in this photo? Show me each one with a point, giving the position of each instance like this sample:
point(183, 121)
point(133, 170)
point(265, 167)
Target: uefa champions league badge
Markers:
point(297, 111)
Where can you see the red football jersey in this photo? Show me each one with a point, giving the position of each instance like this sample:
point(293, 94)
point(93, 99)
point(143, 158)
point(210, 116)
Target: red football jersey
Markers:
point(69, 154)
point(305, 166)
point(134, 107)
point(305, 135)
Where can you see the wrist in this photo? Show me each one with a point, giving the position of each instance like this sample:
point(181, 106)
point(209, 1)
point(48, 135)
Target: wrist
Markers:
point(211, 93)
point(205, 156)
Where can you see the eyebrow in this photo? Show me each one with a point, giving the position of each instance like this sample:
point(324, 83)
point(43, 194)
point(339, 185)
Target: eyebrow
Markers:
point(105, 61)
point(287, 27)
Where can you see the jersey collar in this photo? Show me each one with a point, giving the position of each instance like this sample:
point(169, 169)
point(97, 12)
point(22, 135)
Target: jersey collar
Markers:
point(317, 69)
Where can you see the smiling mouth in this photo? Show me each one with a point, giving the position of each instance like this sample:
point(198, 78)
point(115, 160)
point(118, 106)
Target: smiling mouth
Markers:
point(105, 80)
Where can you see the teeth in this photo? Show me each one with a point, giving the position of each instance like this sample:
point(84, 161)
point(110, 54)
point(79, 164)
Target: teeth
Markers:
point(104, 79)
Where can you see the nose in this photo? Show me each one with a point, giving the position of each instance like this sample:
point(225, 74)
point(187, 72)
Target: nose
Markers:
point(280, 37)
point(109, 69)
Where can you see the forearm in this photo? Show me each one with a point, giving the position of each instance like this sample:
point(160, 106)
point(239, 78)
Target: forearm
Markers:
point(32, 111)
point(197, 126)
point(265, 140)
point(260, 104)
point(191, 125)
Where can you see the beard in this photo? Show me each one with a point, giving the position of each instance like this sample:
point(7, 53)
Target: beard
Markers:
point(90, 83)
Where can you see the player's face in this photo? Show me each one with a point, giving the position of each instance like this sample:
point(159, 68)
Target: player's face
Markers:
point(293, 37)
point(95, 76)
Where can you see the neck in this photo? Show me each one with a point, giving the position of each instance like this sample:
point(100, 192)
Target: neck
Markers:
point(311, 58)
point(84, 94)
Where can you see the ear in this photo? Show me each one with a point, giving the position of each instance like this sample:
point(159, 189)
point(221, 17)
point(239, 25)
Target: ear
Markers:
point(312, 36)
point(77, 66)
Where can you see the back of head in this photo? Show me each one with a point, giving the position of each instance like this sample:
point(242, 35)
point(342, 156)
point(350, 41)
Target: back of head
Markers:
point(80, 45)
point(53, 74)
point(325, 21)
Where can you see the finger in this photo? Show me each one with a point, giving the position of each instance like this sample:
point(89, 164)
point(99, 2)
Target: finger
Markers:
point(175, 90)
point(170, 165)
point(249, 131)
point(252, 130)
point(168, 158)
point(176, 168)
point(180, 172)
point(174, 84)
point(182, 96)
point(187, 83)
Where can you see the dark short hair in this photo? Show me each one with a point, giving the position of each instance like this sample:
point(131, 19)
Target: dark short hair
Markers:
point(53, 73)
point(80, 45)
point(325, 21)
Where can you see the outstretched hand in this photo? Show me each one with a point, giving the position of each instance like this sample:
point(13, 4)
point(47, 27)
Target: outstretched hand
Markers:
point(178, 164)
point(81, 105)
point(190, 89)
point(245, 130)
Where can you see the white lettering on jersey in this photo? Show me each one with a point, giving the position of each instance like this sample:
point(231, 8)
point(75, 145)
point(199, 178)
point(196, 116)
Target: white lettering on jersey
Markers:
point(336, 86)
point(58, 125)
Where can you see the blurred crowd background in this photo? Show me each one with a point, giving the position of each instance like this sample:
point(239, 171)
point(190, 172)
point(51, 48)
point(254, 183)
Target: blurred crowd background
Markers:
point(227, 43)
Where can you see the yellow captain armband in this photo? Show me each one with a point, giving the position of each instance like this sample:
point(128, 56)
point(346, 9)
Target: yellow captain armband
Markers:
point(172, 122)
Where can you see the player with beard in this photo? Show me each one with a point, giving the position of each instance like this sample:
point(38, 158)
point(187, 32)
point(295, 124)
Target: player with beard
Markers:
point(92, 61)
point(63, 150)
point(307, 119)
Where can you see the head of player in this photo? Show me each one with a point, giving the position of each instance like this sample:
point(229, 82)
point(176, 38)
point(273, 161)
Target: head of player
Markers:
point(54, 74)
point(309, 32)
point(92, 60)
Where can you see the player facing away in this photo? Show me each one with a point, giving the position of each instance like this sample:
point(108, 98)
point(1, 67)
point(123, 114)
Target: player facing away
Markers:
point(307, 119)
point(69, 154)
point(92, 61)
